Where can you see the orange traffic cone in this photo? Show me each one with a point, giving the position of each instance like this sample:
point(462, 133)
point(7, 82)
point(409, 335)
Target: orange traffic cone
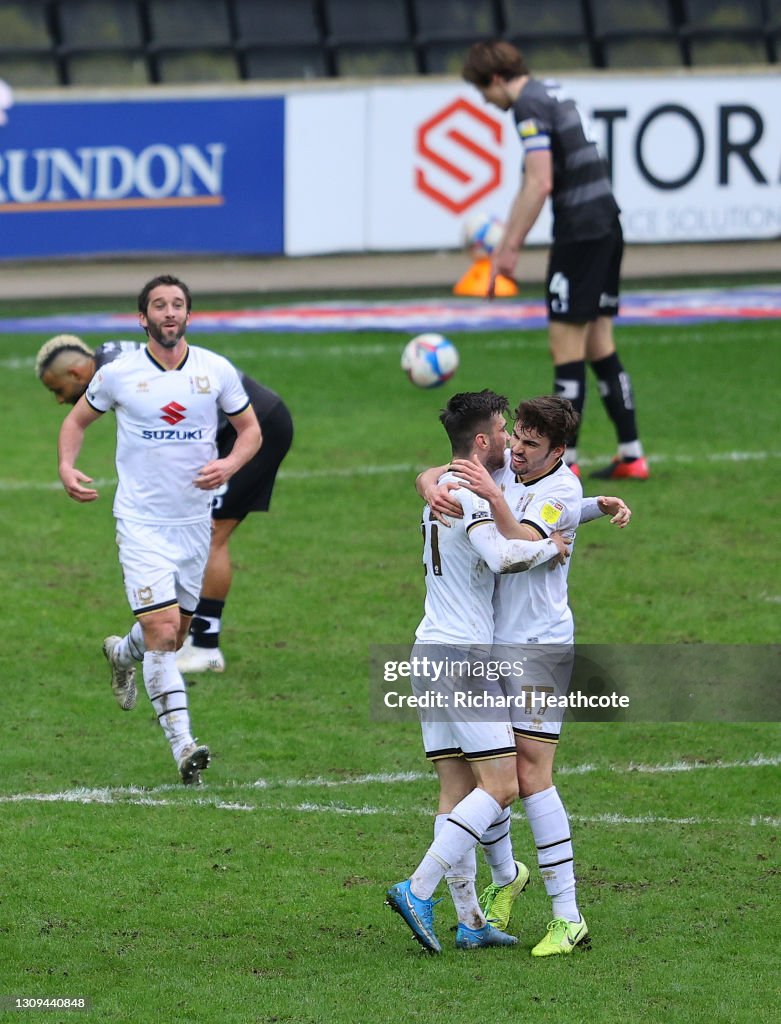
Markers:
point(475, 282)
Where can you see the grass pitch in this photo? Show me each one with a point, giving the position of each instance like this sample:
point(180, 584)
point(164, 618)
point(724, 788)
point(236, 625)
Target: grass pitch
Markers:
point(259, 898)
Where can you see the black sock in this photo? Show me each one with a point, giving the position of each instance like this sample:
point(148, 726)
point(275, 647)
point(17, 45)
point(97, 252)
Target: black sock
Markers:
point(205, 625)
point(569, 381)
point(615, 389)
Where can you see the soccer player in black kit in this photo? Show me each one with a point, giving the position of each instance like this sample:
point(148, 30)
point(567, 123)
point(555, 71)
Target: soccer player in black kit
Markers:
point(583, 278)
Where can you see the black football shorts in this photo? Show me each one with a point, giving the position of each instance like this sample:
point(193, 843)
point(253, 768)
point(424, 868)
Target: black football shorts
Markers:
point(249, 490)
point(584, 278)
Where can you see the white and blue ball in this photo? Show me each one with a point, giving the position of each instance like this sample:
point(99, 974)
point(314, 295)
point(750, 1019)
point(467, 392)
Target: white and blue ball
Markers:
point(429, 360)
point(482, 233)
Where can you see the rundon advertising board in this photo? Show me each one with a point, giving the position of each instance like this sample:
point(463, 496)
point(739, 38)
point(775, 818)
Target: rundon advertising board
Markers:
point(200, 176)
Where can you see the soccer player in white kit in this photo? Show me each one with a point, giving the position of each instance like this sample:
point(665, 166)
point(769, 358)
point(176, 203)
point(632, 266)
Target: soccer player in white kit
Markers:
point(475, 760)
point(166, 398)
point(532, 494)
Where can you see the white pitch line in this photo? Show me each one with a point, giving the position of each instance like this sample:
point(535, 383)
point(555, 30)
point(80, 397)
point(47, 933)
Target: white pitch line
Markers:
point(390, 469)
point(320, 782)
point(131, 795)
point(758, 761)
point(689, 766)
point(315, 349)
point(520, 342)
point(283, 474)
point(585, 819)
point(99, 796)
point(158, 796)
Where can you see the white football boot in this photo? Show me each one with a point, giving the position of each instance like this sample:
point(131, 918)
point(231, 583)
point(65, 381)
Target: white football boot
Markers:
point(199, 659)
point(195, 759)
point(123, 680)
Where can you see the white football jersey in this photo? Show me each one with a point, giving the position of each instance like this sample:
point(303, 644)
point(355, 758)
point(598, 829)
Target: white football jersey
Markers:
point(459, 584)
point(166, 429)
point(532, 607)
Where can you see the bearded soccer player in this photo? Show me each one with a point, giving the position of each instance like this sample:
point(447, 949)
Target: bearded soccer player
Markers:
point(65, 365)
point(166, 397)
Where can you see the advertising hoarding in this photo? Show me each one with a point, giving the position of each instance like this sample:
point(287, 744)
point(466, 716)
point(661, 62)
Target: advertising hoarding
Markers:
point(693, 158)
point(142, 176)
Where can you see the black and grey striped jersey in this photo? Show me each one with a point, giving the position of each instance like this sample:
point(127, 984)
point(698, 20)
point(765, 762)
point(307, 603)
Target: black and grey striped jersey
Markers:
point(111, 350)
point(583, 202)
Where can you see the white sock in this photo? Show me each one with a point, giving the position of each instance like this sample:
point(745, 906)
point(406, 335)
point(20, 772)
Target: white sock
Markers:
point(498, 850)
point(460, 880)
point(630, 450)
point(166, 689)
point(459, 834)
point(550, 828)
point(131, 647)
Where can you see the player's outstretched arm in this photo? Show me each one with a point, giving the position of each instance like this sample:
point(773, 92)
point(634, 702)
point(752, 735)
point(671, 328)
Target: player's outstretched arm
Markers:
point(596, 508)
point(247, 443)
point(620, 513)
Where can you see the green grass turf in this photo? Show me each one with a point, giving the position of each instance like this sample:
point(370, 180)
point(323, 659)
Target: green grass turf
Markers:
point(259, 898)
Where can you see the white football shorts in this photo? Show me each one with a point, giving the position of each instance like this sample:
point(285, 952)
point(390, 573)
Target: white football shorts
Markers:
point(542, 676)
point(459, 729)
point(163, 565)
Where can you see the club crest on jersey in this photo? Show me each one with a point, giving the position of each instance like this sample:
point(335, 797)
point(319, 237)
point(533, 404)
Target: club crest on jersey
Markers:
point(200, 385)
point(144, 596)
point(551, 511)
point(520, 504)
point(142, 387)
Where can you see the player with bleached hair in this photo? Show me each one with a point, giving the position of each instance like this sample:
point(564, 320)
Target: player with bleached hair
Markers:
point(166, 397)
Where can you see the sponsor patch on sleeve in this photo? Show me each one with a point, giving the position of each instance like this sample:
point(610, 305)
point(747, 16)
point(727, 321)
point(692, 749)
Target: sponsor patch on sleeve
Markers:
point(527, 128)
point(550, 512)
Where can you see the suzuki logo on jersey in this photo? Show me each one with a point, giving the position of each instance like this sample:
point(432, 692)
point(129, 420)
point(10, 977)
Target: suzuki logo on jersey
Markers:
point(174, 413)
point(172, 435)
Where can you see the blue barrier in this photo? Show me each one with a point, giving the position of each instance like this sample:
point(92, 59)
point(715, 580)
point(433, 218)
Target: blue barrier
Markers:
point(190, 175)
